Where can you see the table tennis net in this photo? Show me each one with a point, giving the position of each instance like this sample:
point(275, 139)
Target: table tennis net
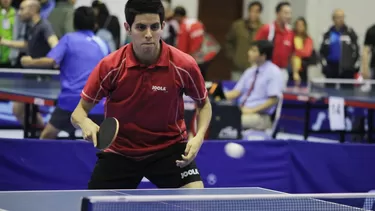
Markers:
point(263, 202)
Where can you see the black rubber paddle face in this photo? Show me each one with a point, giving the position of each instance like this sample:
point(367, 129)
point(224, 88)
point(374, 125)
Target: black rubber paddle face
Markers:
point(107, 133)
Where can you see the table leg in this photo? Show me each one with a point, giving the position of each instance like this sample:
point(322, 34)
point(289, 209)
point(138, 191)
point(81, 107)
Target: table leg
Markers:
point(34, 111)
point(26, 127)
point(370, 125)
point(306, 130)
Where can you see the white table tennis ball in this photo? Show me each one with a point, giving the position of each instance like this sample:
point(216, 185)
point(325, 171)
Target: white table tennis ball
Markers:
point(234, 150)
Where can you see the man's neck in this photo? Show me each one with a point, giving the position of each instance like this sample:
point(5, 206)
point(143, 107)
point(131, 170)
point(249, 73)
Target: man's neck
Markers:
point(260, 63)
point(280, 24)
point(338, 28)
point(35, 19)
point(253, 24)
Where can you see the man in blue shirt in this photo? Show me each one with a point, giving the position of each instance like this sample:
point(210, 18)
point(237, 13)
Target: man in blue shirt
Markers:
point(76, 54)
point(259, 88)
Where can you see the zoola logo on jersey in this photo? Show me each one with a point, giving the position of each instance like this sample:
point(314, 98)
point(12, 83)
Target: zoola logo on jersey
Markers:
point(190, 172)
point(159, 88)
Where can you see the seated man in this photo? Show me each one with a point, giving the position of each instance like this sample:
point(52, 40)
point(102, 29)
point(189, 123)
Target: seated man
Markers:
point(259, 88)
point(76, 54)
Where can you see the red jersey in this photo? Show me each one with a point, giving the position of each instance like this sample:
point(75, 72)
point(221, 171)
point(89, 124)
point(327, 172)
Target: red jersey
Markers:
point(147, 100)
point(283, 41)
point(190, 36)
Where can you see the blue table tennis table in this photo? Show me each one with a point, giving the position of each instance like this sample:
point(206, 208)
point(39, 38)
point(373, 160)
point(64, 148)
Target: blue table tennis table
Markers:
point(33, 91)
point(80, 200)
point(319, 98)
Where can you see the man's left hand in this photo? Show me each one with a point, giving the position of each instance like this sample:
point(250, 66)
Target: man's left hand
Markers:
point(191, 151)
point(26, 60)
point(247, 110)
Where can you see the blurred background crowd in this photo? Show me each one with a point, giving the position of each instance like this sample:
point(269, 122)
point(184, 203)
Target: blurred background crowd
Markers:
point(308, 43)
point(221, 41)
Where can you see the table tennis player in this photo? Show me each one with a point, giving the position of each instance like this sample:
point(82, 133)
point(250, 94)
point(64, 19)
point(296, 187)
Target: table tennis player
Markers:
point(76, 54)
point(144, 82)
point(40, 40)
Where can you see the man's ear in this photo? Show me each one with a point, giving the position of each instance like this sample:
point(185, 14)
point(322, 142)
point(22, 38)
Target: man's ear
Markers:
point(127, 27)
point(163, 25)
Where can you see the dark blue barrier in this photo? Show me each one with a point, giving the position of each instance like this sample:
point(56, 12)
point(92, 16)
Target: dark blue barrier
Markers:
point(288, 166)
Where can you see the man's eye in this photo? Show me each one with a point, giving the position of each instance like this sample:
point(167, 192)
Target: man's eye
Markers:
point(155, 27)
point(141, 27)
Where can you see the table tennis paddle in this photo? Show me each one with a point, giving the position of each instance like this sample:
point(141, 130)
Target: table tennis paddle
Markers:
point(107, 133)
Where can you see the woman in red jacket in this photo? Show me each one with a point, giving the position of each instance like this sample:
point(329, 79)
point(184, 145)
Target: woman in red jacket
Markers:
point(303, 45)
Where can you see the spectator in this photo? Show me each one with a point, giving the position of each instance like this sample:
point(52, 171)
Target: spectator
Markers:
point(339, 49)
point(171, 25)
point(259, 88)
point(282, 37)
point(240, 37)
point(368, 65)
point(193, 40)
point(303, 45)
point(64, 10)
point(77, 54)
point(106, 36)
point(7, 21)
point(47, 7)
point(107, 21)
point(41, 39)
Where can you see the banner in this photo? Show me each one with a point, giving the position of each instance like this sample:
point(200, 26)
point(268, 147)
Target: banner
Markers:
point(287, 166)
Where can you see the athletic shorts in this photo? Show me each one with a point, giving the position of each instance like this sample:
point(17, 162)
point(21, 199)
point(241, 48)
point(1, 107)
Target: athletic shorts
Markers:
point(113, 171)
point(60, 119)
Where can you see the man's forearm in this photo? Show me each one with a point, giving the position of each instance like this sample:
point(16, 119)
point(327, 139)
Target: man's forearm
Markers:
point(204, 118)
point(231, 95)
point(80, 113)
point(41, 62)
point(268, 104)
point(13, 43)
point(365, 59)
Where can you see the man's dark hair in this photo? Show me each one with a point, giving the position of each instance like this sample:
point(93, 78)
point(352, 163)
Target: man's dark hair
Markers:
point(254, 4)
point(265, 47)
point(280, 6)
point(137, 7)
point(84, 18)
point(179, 11)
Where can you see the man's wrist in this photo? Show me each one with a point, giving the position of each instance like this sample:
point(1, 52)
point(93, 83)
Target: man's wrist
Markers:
point(200, 136)
point(78, 123)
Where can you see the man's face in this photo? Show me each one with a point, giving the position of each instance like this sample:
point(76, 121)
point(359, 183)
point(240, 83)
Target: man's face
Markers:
point(25, 11)
point(254, 13)
point(339, 18)
point(145, 34)
point(285, 14)
point(253, 55)
point(5, 3)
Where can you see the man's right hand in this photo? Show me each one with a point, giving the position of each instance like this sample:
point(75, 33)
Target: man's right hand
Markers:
point(89, 130)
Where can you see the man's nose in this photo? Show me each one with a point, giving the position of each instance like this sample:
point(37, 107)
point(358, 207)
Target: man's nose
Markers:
point(148, 34)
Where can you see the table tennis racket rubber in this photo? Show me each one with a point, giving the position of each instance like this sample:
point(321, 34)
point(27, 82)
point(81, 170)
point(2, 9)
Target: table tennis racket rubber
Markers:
point(107, 133)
